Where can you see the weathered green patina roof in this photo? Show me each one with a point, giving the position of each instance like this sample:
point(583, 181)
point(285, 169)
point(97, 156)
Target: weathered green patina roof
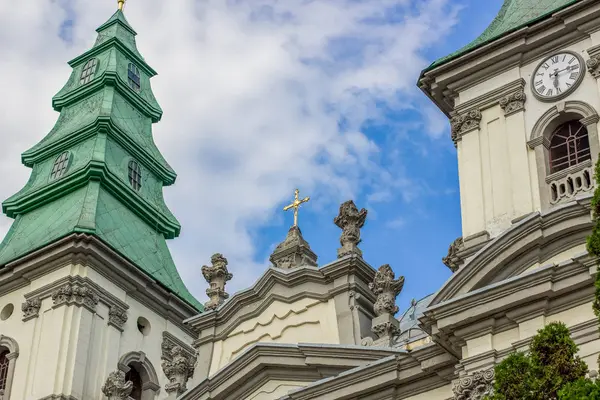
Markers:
point(103, 125)
point(514, 15)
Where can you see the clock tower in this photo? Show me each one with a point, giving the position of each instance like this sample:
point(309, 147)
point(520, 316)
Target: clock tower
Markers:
point(522, 100)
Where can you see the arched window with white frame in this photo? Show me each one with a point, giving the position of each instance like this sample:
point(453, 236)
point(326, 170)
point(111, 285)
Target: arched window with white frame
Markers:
point(9, 352)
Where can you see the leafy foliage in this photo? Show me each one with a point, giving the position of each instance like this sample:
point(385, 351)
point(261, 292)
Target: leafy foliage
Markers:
point(593, 241)
point(539, 375)
point(580, 389)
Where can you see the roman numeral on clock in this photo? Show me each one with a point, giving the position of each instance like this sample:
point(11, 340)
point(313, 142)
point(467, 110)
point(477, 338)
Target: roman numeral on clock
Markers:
point(541, 89)
point(554, 59)
point(574, 75)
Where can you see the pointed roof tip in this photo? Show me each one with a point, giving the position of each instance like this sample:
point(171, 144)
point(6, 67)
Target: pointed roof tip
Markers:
point(117, 17)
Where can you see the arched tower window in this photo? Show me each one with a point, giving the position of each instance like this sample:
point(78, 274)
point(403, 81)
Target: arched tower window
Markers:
point(4, 362)
point(569, 146)
point(60, 165)
point(135, 175)
point(9, 352)
point(134, 376)
point(140, 371)
point(88, 72)
point(133, 77)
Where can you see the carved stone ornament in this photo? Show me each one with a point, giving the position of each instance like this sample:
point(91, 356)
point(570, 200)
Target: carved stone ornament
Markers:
point(464, 122)
point(387, 288)
point(116, 388)
point(293, 252)
point(31, 308)
point(474, 387)
point(593, 66)
point(452, 260)
point(513, 102)
point(350, 220)
point(178, 368)
point(117, 317)
point(216, 276)
point(73, 293)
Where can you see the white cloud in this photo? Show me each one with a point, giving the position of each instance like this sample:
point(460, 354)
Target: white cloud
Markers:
point(252, 91)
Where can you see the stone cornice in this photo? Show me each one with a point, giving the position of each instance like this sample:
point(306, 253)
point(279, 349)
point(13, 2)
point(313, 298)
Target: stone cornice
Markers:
point(97, 293)
point(93, 253)
point(493, 97)
point(514, 49)
point(328, 369)
point(239, 307)
point(495, 251)
point(299, 362)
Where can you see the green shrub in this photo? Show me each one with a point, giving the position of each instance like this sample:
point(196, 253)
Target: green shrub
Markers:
point(580, 389)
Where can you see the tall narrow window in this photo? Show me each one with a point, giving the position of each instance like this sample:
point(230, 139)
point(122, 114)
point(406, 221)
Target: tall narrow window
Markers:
point(135, 175)
point(60, 165)
point(134, 376)
point(133, 77)
point(569, 146)
point(3, 369)
point(89, 69)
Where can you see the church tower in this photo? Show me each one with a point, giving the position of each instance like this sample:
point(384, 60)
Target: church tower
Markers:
point(522, 100)
point(88, 285)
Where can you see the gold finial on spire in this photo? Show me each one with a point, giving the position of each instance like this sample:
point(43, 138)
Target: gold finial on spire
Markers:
point(121, 4)
point(295, 205)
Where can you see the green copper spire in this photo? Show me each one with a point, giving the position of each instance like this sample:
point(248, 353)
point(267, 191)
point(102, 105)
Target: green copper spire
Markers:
point(98, 171)
point(514, 15)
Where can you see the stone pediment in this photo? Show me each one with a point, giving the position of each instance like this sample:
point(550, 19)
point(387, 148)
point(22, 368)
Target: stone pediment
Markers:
point(307, 371)
point(332, 304)
point(534, 240)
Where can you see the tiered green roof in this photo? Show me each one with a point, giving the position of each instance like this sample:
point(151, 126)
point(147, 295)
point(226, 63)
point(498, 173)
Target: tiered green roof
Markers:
point(104, 124)
point(514, 15)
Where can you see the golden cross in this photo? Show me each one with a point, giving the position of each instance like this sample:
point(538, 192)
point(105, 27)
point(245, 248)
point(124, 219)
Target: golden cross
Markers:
point(295, 205)
point(121, 4)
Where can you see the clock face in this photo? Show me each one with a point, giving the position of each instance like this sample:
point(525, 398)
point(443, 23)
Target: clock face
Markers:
point(557, 76)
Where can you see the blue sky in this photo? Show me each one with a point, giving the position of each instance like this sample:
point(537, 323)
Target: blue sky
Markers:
point(263, 96)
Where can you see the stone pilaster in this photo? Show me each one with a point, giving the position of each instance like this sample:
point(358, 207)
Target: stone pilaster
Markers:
point(116, 388)
point(31, 308)
point(178, 367)
point(216, 275)
point(464, 123)
point(293, 252)
point(513, 102)
point(350, 220)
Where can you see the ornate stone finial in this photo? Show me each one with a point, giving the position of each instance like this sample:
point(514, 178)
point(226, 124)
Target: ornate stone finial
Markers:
point(387, 288)
point(464, 123)
point(452, 260)
point(296, 205)
point(179, 368)
point(116, 388)
point(474, 387)
point(121, 4)
point(513, 102)
point(593, 66)
point(350, 220)
point(293, 252)
point(216, 276)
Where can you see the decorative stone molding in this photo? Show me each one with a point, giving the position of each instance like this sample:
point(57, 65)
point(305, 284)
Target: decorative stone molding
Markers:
point(117, 317)
point(216, 276)
point(350, 220)
point(115, 387)
point(293, 252)
point(76, 290)
point(178, 367)
point(513, 102)
point(593, 66)
point(75, 294)
point(452, 260)
point(474, 387)
point(463, 123)
point(386, 288)
point(31, 308)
